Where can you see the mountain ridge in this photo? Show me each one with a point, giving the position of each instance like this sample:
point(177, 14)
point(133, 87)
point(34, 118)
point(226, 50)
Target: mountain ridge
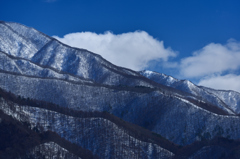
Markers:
point(123, 70)
point(189, 151)
point(35, 67)
point(187, 86)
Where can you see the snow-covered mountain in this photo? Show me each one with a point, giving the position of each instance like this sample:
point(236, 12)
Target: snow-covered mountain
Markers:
point(225, 99)
point(36, 68)
point(103, 134)
point(24, 42)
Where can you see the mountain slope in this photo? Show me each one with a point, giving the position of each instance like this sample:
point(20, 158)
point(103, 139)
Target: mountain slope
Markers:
point(103, 134)
point(37, 68)
point(19, 141)
point(226, 100)
point(231, 98)
point(49, 145)
point(146, 107)
point(25, 67)
point(21, 41)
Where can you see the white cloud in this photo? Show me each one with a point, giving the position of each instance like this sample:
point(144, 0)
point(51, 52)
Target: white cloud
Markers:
point(133, 50)
point(226, 82)
point(137, 49)
point(213, 58)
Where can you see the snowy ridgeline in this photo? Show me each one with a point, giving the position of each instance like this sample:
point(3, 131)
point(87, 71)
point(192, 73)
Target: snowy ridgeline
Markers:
point(167, 114)
point(28, 43)
point(170, 116)
point(26, 67)
point(226, 100)
point(98, 135)
point(46, 57)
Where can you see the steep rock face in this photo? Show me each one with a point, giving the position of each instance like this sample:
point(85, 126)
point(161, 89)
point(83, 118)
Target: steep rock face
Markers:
point(226, 100)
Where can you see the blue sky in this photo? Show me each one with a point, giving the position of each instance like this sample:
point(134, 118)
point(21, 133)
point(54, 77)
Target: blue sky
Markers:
point(196, 40)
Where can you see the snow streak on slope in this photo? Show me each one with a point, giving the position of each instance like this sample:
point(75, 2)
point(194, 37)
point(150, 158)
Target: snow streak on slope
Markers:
point(226, 100)
point(42, 68)
point(231, 98)
point(20, 41)
point(165, 114)
point(25, 67)
point(99, 135)
point(50, 150)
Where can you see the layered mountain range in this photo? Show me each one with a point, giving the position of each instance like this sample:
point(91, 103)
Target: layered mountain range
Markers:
point(105, 110)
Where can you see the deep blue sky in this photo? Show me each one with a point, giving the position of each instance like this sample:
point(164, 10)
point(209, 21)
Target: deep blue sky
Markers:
point(183, 25)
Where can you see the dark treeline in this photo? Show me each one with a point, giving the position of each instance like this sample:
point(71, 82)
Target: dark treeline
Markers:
point(17, 140)
point(113, 87)
point(132, 129)
point(167, 91)
point(230, 148)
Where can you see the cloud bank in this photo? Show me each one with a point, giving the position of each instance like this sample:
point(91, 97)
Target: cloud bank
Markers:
point(133, 50)
point(226, 82)
point(209, 63)
point(212, 59)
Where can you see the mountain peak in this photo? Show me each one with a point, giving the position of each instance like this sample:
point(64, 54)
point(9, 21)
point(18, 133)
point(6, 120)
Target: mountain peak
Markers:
point(30, 44)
